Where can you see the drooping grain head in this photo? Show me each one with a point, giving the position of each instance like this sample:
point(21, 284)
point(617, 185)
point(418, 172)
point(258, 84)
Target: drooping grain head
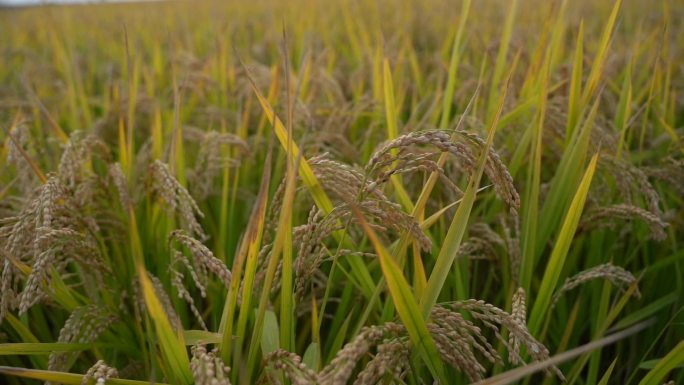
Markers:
point(100, 373)
point(176, 197)
point(466, 149)
point(83, 326)
point(616, 275)
point(199, 266)
point(207, 367)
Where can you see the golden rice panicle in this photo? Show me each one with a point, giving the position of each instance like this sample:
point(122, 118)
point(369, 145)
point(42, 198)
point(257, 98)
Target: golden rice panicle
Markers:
point(388, 214)
point(311, 252)
point(391, 357)
point(55, 248)
point(616, 275)
point(519, 312)
point(176, 197)
point(178, 281)
point(351, 186)
point(391, 360)
point(203, 262)
point(83, 326)
point(207, 367)
point(461, 343)
point(339, 370)
point(342, 181)
point(347, 186)
point(117, 177)
point(632, 184)
point(309, 241)
point(491, 316)
point(77, 154)
point(466, 149)
point(49, 232)
point(293, 367)
point(383, 164)
point(603, 217)
point(100, 372)
point(309, 238)
point(9, 285)
point(25, 177)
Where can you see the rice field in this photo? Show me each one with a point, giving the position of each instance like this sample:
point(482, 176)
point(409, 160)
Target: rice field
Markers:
point(342, 192)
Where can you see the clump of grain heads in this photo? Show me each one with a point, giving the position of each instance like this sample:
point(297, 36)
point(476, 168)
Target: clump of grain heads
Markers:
point(352, 186)
point(10, 280)
point(311, 250)
point(632, 184)
point(57, 248)
point(460, 342)
point(491, 316)
point(100, 373)
point(347, 186)
point(338, 371)
point(341, 180)
point(203, 262)
point(207, 368)
point(466, 149)
point(77, 154)
point(49, 232)
point(83, 326)
point(309, 238)
point(176, 197)
point(291, 364)
point(391, 359)
point(46, 207)
point(614, 274)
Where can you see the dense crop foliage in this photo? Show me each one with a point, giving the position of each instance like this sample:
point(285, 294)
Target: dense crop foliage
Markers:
point(345, 191)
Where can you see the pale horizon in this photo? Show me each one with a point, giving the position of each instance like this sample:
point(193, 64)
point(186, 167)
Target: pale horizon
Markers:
point(19, 3)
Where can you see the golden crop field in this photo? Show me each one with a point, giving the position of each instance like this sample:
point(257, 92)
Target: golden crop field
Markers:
point(342, 192)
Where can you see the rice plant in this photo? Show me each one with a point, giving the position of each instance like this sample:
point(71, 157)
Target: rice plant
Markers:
point(342, 192)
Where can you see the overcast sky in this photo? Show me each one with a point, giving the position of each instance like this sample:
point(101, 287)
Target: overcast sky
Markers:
point(22, 2)
point(33, 2)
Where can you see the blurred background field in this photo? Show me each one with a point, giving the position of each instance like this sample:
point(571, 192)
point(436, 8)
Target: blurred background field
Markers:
point(152, 196)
